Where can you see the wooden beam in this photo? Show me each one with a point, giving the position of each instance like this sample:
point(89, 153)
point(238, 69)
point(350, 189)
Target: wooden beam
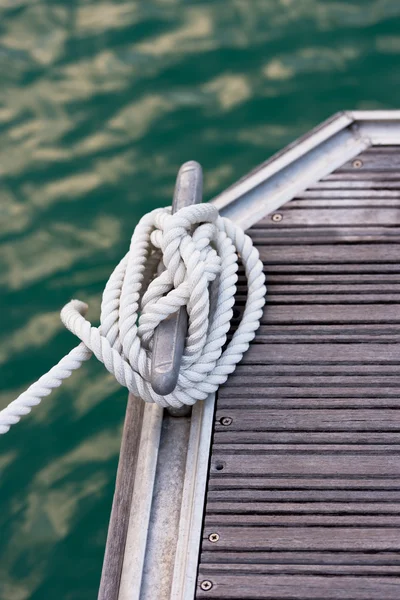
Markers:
point(119, 520)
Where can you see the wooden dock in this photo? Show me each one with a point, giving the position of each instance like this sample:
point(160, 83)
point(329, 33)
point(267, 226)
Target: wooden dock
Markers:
point(303, 495)
point(286, 486)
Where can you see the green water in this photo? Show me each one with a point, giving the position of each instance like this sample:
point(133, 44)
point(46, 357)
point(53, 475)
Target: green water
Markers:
point(100, 102)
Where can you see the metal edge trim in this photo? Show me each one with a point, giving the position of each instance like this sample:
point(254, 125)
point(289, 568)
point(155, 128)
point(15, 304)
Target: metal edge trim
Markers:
point(375, 115)
point(381, 133)
point(140, 510)
point(283, 158)
point(193, 501)
point(276, 190)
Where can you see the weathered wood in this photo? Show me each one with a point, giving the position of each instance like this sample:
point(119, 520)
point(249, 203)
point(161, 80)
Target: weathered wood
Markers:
point(219, 481)
point(287, 587)
point(337, 199)
point(315, 420)
point(375, 160)
point(304, 483)
point(256, 568)
point(295, 398)
point(339, 216)
point(262, 495)
point(308, 464)
point(293, 557)
point(338, 254)
point(297, 558)
point(318, 288)
point(294, 236)
point(345, 268)
point(335, 380)
point(382, 177)
point(265, 508)
point(322, 353)
point(373, 182)
point(305, 370)
point(118, 526)
point(327, 298)
point(300, 334)
point(305, 520)
point(265, 448)
point(337, 314)
point(352, 194)
point(303, 437)
point(309, 385)
point(306, 538)
point(318, 278)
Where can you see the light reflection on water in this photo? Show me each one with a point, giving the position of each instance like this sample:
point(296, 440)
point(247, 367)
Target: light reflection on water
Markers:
point(100, 102)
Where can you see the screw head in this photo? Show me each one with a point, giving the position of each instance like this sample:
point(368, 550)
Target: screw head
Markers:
point(357, 164)
point(277, 217)
point(226, 421)
point(213, 537)
point(206, 585)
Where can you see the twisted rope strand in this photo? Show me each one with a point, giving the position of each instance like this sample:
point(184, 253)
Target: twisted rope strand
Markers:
point(199, 250)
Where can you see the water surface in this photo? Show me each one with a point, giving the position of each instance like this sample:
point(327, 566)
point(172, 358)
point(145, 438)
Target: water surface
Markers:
point(100, 102)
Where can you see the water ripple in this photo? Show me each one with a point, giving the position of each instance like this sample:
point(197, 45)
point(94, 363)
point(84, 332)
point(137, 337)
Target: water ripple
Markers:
point(100, 102)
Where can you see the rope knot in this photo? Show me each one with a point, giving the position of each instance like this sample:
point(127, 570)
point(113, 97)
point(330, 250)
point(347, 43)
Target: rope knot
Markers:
point(189, 262)
point(186, 259)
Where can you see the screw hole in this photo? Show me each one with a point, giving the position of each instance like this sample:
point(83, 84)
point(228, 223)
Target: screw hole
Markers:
point(277, 217)
point(219, 467)
point(357, 164)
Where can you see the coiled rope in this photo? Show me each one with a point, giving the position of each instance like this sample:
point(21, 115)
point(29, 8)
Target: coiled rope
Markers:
point(200, 251)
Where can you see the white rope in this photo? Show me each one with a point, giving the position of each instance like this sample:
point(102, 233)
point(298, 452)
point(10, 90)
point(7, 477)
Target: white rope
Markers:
point(200, 252)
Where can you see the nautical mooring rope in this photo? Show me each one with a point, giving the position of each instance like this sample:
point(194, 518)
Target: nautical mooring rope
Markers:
point(200, 251)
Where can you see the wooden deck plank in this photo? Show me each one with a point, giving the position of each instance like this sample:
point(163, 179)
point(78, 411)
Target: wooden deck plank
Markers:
point(374, 181)
point(253, 569)
point(287, 587)
point(293, 557)
point(336, 314)
point(324, 234)
point(302, 437)
point(378, 178)
point(341, 419)
point(219, 481)
point(337, 254)
point(334, 381)
point(352, 194)
point(262, 495)
point(322, 353)
point(307, 463)
point(305, 520)
point(304, 508)
point(349, 539)
point(328, 215)
point(375, 160)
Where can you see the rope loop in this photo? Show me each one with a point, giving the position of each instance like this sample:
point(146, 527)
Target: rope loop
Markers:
point(186, 259)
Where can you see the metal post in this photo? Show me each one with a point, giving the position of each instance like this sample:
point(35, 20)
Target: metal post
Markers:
point(170, 335)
